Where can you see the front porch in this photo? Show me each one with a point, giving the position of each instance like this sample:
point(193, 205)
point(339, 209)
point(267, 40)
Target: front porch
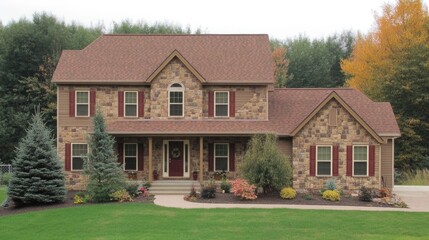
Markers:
point(179, 158)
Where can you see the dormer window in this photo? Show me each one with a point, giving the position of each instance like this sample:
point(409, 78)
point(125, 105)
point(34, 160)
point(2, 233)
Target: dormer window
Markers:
point(175, 100)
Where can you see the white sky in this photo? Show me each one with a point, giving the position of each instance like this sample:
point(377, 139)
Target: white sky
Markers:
point(280, 19)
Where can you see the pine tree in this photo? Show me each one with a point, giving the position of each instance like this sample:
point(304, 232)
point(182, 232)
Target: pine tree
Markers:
point(38, 176)
point(105, 174)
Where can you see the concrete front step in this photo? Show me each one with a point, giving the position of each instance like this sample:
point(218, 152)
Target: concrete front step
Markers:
point(173, 187)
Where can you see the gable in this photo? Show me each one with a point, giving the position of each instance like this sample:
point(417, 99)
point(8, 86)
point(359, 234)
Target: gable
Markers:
point(176, 55)
point(334, 96)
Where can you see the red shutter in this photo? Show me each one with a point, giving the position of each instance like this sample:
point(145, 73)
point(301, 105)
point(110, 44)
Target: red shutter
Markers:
point(349, 161)
point(232, 103)
point(71, 103)
point(141, 103)
point(120, 103)
point(120, 152)
point(211, 157)
point(140, 157)
point(231, 157)
point(335, 161)
point(211, 104)
point(67, 164)
point(312, 160)
point(92, 103)
point(371, 160)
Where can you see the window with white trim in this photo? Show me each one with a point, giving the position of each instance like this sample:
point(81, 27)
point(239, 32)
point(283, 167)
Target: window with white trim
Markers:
point(130, 104)
point(221, 157)
point(175, 100)
point(79, 155)
point(324, 160)
point(360, 160)
point(82, 103)
point(222, 104)
point(130, 156)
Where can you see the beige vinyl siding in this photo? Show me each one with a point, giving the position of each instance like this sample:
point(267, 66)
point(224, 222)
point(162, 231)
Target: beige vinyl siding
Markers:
point(285, 145)
point(387, 163)
point(63, 110)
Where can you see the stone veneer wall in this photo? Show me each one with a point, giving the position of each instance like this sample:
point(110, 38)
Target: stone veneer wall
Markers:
point(347, 132)
point(176, 72)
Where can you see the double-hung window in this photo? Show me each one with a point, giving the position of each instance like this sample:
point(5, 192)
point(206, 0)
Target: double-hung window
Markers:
point(175, 100)
point(221, 158)
point(360, 160)
point(324, 160)
point(130, 157)
point(221, 104)
point(79, 154)
point(82, 103)
point(130, 104)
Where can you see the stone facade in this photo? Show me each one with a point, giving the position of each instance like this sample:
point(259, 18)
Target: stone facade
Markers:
point(317, 132)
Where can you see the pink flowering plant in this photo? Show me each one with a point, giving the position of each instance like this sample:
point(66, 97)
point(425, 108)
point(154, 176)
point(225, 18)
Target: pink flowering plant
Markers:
point(241, 188)
point(144, 191)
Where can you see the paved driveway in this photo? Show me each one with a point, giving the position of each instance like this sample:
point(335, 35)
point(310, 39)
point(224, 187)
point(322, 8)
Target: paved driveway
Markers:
point(417, 197)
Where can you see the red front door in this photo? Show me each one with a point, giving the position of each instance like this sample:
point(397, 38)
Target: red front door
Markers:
point(175, 164)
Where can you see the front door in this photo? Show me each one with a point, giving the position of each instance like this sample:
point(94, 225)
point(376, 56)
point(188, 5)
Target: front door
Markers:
point(175, 164)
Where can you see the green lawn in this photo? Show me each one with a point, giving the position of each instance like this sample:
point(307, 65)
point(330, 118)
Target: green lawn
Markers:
point(147, 221)
point(3, 191)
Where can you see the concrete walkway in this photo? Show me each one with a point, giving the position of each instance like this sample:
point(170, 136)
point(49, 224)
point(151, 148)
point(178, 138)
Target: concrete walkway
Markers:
point(176, 201)
point(417, 197)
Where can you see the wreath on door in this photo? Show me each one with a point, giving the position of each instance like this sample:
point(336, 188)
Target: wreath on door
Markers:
point(175, 153)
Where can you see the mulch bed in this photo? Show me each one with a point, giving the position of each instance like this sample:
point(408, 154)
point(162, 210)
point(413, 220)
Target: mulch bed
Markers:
point(67, 203)
point(301, 199)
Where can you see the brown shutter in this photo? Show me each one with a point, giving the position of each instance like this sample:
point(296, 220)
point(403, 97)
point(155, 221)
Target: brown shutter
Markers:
point(211, 104)
point(312, 160)
point(232, 103)
point(141, 103)
point(371, 160)
point(211, 157)
point(140, 157)
point(335, 161)
point(120, 152)
point(231, 157)
point(67, 164)
point(120, 103)
point(349, 161)
point(71, 103)
point(92, 98)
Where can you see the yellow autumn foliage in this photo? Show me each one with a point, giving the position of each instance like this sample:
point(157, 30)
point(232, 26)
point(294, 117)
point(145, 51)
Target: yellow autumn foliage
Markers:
point(399, 27)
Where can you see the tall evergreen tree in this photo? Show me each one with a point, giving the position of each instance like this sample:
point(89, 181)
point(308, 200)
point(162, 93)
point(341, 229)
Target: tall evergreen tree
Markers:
point(38, 176)
point(105, 174)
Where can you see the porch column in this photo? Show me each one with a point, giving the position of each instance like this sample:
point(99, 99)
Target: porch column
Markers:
point(150, 161)
point(201, 159)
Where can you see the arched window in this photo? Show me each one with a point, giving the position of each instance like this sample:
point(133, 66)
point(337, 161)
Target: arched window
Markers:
point(175, 100)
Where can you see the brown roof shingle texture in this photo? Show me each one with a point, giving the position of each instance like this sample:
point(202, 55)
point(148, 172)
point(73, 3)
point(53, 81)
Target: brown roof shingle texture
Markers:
point(287, 109)
point(133, 58)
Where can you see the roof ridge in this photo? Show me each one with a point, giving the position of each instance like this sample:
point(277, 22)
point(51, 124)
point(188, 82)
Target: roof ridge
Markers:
point(341, 88)
point(181, 35)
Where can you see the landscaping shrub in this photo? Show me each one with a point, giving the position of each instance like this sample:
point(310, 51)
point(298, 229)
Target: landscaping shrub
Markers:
point(102, 168)
point(332, 195)
point(38, 175)
point(288, 193)
point(417, 177)
point(264, 165)
point(208, 192)
point(225, 186)
point(365, 194)
point(330, 184)
point(147, 185)
point(144, 191)
point(5, 178)
point(81, 198)
point(192, 196)
point(132, 189)
point(241, 188)
point(121, 195)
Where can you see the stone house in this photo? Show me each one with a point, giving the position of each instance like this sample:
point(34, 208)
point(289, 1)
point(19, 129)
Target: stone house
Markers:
point(179, 104)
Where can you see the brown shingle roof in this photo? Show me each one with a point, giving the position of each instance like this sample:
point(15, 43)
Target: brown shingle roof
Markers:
point(133, 58)
point(287, 109)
